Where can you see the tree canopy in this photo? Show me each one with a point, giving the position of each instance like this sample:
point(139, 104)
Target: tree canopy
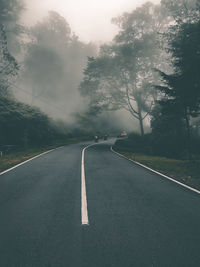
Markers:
point(8, 65)
point(123, 74)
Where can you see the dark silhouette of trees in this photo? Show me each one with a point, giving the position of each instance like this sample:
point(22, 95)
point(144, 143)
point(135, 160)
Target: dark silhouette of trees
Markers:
point(180, 91)
point(182, 88)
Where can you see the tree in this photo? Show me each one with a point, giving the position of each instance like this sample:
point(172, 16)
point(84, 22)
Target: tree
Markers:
point(122, 75)
point(53, 32)
point(183, 11)
point(10, 11)
point(9, 15)
point(43, 70)
point(24, 125)
point(108, 80)
point(183, 86)
point(168, 133)
point(53, 65)
point(8, 65)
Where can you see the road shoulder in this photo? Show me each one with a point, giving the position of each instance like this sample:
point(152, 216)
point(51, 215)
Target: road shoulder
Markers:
point(196, 190)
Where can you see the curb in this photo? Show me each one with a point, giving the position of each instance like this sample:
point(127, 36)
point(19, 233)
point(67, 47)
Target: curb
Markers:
point(156, 172)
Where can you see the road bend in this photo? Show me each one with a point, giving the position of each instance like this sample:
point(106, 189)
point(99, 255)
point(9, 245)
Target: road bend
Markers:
point(135, 218)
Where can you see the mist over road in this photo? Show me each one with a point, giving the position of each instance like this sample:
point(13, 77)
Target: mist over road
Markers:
point(136, 218)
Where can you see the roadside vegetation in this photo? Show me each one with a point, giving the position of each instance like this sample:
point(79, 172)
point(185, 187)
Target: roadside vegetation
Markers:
point(185, 171)
point(26, 131)
point(150, 71)
point(12, 157)
point(26, 128)
point(145, 151)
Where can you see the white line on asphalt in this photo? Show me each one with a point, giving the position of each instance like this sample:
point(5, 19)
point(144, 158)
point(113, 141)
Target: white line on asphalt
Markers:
point(163, 175)
point(84, 210)
point(14, 167)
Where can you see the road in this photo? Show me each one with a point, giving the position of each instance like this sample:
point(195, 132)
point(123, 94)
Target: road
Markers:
point(136, 218)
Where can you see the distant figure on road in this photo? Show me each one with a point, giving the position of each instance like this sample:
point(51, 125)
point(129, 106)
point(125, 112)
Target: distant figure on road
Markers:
point(105, 137)
point(96, 139)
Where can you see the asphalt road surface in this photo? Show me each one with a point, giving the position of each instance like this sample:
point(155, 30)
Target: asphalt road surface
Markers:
point(136, 218)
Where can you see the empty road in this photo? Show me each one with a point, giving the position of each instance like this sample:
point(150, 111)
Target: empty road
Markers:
point(135, 218)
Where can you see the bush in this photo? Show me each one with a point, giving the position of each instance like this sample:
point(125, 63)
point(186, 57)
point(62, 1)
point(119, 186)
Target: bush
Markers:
point(135, 143)
point(24, 125)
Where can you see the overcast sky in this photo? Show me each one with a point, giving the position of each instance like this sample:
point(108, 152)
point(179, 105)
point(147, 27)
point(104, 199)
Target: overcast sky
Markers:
point(89, 19)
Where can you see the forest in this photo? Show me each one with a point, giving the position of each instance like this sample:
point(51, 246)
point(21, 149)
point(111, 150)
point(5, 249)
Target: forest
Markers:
point(152, 70)
point(54, 86)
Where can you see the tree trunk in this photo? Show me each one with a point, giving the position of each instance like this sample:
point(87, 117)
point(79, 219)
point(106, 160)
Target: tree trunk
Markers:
point(140, 121)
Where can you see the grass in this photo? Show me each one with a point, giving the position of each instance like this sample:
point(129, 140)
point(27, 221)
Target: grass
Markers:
point(187, 172)
point(11, 159)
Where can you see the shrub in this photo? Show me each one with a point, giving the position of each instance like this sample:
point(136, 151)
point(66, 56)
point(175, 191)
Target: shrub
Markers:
point(135, 143)
point(24, 125)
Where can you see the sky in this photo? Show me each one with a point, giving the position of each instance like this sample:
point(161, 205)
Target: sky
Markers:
point(89, 19)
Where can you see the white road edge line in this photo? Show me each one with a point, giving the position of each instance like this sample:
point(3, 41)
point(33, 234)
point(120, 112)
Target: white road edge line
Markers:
point(84, 210)
point(24, 162)
point(161, 174)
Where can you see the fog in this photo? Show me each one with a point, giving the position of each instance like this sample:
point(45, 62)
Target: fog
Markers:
point(89, 19)
point(52, 48)
point(55, 88)
point(72, 69)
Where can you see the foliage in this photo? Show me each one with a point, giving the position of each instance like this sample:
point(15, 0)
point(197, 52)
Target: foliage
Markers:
point(168, 139)
point(182, 170)
point(168, 133)
point(135, 143)
point(8, 65)
point(122, 75)
point(181, 90)
point(183, 86)
point(24, 125)
point(53, 27)
point(93, 122)
point(183, 11)
point(9, 30)
point(53, 64)
point(10, 12)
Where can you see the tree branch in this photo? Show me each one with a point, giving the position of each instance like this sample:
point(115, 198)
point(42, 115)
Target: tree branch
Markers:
point(131, 109)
